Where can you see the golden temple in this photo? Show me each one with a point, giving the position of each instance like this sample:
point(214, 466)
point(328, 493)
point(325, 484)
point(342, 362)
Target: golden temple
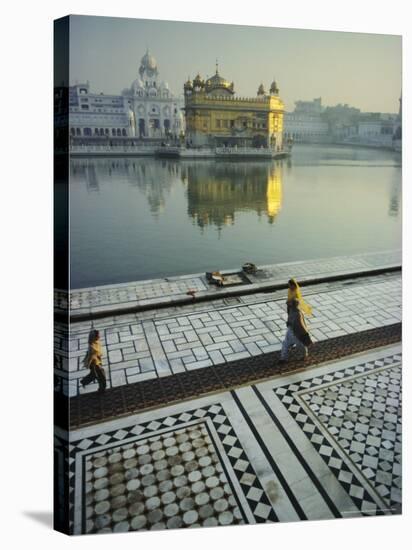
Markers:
point(216, 117)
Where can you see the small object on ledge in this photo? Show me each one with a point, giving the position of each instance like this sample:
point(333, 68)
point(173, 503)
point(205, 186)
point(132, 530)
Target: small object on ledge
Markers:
point(191, 293)
point(248, 267)
point(215, 277)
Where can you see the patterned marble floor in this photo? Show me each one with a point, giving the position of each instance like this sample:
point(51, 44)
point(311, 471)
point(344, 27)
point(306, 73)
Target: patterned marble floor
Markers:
point(136, 349)
point(319, 444)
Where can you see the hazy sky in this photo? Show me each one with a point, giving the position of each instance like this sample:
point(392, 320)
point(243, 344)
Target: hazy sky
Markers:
point(363, 70)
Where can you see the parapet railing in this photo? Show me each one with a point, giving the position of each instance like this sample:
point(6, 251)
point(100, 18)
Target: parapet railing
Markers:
point(202, 98)
point(239, 150)
point(112, 148)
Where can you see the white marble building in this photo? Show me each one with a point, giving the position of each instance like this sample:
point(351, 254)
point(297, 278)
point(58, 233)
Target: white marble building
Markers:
point(305, 123)
point(377, 128)
point(156, 110)
point(93, 115)
point(147, 109)
point(303, 127)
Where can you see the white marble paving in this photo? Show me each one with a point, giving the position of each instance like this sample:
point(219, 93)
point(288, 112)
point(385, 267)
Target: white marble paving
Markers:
point(151, 292)
point(136, 349)
point(274, 461)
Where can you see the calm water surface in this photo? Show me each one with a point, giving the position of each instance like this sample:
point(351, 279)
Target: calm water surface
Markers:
point(135, 219)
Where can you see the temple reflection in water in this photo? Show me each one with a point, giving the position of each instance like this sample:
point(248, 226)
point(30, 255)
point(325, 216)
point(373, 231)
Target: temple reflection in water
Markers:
point(144, 218)
point(216, 191)
point(153, 179)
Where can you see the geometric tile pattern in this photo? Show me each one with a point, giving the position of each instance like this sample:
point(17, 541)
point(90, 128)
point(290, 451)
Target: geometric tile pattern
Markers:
point(165, 481)
point(126, 400)
point(352, 417)
point(132, 481)
point(135, 350)
point(364, 416)
point(175, 286)
point(131, 292)
point(61, 488)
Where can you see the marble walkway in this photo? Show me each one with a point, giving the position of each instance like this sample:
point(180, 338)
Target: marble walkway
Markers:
point(322, 443)
point(108, 299)
point(139, 347)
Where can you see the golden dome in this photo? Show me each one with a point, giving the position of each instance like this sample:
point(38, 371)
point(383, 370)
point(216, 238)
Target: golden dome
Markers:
point(217, 82)
point(188, 85)
point(198, 82)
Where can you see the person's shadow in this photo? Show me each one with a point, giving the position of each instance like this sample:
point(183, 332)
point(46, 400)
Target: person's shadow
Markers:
point(44, 518)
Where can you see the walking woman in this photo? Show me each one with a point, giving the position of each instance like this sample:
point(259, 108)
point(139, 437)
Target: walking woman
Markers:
point(93, 361)
point(294, 293)
point(297, 332)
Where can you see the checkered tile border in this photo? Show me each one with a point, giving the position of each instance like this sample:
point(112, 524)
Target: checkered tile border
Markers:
point(288, 395)
point(251, 487)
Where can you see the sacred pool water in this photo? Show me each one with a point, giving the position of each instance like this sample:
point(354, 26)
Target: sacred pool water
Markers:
point(143, 218)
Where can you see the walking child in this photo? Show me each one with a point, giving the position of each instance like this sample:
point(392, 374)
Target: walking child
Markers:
point(93, 361)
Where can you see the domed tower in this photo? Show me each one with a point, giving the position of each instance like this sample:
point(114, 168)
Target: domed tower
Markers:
point(188, 87)
point(217, 85)
point(155, 108)
point(261, 91)
point(274, 90)
point(198, 83)
point(148, 66)
point(137, 87)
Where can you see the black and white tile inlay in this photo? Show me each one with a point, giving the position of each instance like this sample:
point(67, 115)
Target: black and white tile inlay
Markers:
point(352, 416)
point(320, 443)
point(165, 473)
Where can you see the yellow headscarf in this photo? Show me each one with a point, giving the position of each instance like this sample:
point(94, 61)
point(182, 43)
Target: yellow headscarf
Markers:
point(296, 293)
